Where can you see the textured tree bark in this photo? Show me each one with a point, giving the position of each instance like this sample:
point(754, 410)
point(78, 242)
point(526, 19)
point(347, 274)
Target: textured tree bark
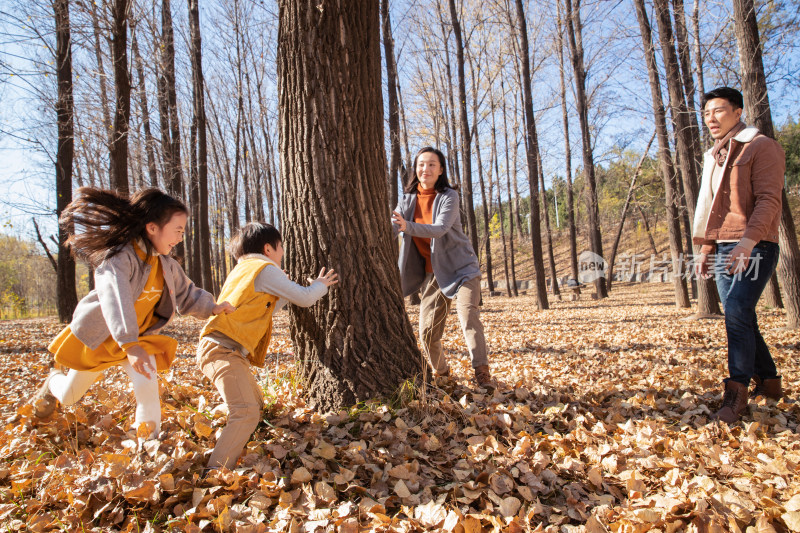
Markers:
point(664, 156)
point(65, 270)
point(357, 342)
point(533, 167)
point(118, 160)
point(574, 36)
point(756, 104)
point(466, 141)
point(394, 115)
point(707, 300)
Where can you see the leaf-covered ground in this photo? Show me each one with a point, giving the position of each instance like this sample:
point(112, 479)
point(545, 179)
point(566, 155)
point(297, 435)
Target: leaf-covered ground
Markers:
point(600, 424)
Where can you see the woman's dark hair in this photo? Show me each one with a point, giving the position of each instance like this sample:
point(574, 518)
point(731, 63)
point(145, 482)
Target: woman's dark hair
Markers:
point(101, 222)
point(252, 238)
point(441, 184)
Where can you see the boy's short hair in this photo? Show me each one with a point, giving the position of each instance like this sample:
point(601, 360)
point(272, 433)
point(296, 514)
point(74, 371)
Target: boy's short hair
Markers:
point(727, 93)
point(252, 237)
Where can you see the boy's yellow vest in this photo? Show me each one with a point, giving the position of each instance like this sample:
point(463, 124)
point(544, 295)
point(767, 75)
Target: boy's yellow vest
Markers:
point(251, 324)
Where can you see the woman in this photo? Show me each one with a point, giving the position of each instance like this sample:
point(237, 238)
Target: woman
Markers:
point(437, 257)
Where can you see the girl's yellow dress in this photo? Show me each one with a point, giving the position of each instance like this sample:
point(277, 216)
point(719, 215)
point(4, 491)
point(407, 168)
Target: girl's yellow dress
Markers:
point(72, 353)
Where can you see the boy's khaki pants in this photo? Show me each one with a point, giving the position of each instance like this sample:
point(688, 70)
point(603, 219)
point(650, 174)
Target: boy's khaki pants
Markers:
point(433, 310)
point(230, 373)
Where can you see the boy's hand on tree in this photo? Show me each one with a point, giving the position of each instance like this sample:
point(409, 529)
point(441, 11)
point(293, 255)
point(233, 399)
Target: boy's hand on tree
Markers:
point(223, 307)
point(398, 220)
point(140, 360)
point(328, 278)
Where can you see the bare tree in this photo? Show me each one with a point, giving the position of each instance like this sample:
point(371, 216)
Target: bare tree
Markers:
point(756, 103)
point(394, 112)
point(357, 343)
point(65, 281)
point(573, 245)
point(667, 168)
point(533, 167)
point(122, 89)
point(707, 299)
point(466, 141)
point(575, 39)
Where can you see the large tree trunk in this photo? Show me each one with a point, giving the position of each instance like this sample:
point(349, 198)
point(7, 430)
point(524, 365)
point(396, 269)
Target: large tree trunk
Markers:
point(122, 89)
point(573, 238)
point(533, 167)
point(357, 343)
point(466, 150)
point(67, 297)
point(664, 158)
point(575, 38)
point(201, 224)
point(756, 104)
point(394, 116)
point(707, 300)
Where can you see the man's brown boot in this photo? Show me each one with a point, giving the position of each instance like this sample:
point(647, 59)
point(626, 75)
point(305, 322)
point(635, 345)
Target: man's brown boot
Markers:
point(734, 402)
point(484, 378)
point(769, 388)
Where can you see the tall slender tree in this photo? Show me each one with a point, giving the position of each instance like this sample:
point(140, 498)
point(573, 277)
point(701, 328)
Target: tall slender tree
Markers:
point(666, 166)
point(707, 299)
point(533, 164)
point(201, 224)
point(575, 39)
point(394, 111)
point(122, 90)
point(756, 103)
point(466, 139)
point(573, 237)
point(357, 343)
point(67, 298)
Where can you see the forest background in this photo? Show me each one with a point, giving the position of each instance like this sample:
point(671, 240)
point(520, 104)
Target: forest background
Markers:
point(239, 47)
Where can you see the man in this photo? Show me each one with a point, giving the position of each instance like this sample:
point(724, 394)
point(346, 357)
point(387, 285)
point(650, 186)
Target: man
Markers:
point(738, 214)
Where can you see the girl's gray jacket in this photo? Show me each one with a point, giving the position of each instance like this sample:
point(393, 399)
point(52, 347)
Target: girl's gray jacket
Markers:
point(119, 280)
point(452, 257)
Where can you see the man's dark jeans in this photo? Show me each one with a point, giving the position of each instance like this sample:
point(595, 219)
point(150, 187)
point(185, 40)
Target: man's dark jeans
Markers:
point(748, 354)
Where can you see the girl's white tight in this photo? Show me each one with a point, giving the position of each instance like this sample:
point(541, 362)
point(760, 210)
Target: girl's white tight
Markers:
point(71, 387)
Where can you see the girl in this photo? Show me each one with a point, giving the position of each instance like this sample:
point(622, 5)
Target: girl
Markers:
point(138, 290)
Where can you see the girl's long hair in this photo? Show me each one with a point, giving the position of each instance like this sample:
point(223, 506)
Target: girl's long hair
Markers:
point(441, 185)
point(101, 222)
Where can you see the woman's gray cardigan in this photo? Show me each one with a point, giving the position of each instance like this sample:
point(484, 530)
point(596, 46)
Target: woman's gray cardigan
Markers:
point(452, 257)
point(108, 309)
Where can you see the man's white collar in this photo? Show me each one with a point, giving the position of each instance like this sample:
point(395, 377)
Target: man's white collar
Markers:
point(746, 135)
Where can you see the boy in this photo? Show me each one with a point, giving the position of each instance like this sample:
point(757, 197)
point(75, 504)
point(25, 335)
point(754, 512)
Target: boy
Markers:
point(230, 343)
